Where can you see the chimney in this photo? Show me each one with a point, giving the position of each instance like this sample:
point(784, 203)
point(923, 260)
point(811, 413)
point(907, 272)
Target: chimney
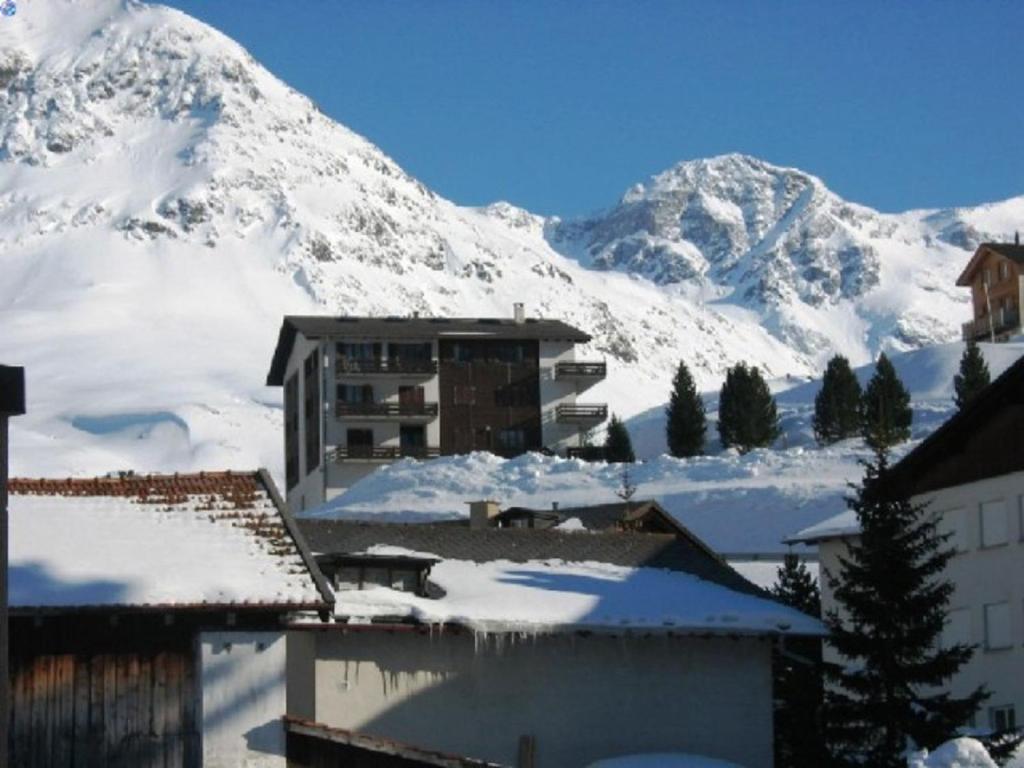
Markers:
point(482, 513)
point(1016, 237)
point(554, 506)
point(519, 313)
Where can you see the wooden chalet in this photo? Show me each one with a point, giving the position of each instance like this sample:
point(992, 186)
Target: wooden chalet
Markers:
point(148, 617)
point(995, 275)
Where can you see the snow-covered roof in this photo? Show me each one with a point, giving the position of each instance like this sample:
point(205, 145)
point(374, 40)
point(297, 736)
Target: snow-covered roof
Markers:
point(199, 541)
point(549, 580)
point(554, 596)
point(843, 524)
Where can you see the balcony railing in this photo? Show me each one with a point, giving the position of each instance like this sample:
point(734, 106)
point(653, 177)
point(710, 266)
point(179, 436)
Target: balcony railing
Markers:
point(386, 410)
point(383, 452)
point(346, 366)
point(1003, 320)
point(581, 413)
point(581, 370)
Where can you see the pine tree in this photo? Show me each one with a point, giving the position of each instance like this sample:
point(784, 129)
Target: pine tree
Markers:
point(973, 376)
point(838, 412)
point(747, 417)
point(685, 423)
point(798, 685)
point(887, 413)
point(892, 602)
point(618, 447)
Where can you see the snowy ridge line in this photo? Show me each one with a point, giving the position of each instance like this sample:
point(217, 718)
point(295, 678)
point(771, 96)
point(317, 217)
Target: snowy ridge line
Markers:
point(170, 200)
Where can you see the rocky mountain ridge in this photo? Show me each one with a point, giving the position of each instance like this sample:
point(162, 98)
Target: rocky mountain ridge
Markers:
point(164, 200)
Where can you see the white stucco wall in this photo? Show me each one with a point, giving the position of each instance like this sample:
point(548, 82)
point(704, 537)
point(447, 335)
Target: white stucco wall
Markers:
point(243, 699)
point(982, 575)
point(309, 492)
point(580, 698)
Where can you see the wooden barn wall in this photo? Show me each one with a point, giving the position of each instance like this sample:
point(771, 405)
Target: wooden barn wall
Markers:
point(103, 696)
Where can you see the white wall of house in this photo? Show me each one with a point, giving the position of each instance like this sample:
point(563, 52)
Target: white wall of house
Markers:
point(309, 492)
point(986, 519)
point(243, 699)
point(580, 698)
point(555, 392)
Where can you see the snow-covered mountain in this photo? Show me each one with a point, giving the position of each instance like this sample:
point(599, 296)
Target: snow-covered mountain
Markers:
point(164, 200)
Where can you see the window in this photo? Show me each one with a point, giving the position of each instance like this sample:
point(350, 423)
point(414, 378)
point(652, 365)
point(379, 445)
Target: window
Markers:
point(1002, 718)
point(957, 630)
point(986, 276)
point(1004, 270)
point(997, 626)
point(291, 431)
point(311, 376)
point(954, 523)
point(512, 440)
point(357, 356)
point(994, 523)
point(355, 393)
point(359, 437)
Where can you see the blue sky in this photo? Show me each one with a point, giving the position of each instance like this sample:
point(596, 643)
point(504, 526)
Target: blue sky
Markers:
point(560, 106)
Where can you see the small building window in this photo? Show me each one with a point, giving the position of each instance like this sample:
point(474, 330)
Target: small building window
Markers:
point(1004, 270)
point(355, 393)
point(512, 440)
point(1003, 718)
point(997, 626)
point(994, 523)
point(464, 394)
point(291, 431)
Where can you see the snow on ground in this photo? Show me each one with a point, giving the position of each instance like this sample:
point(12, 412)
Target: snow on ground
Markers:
point(737, 504)
point(958, 753)
point(505, 596)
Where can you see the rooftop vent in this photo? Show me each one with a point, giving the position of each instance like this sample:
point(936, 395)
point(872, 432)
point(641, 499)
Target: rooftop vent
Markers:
point(519, 313)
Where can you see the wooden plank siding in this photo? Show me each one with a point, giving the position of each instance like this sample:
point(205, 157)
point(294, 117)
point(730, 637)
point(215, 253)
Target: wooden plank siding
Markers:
point(104, 710)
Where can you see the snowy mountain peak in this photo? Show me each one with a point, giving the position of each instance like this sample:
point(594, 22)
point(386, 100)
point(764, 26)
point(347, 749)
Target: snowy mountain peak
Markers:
point(169, 199)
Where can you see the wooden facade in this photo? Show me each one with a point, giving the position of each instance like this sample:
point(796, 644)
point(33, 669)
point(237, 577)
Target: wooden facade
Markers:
point(85, 693)
point(995, 276)
point(490, 395)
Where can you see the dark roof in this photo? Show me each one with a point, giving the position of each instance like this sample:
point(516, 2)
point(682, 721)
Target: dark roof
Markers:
point(481, 545)
point(1012, 251)
point(984, 439)
point(12, 390)
point(608, 517)
point(320, 327)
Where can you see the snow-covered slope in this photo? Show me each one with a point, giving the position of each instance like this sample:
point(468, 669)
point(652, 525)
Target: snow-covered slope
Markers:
point(737, 504)
point(164, 200)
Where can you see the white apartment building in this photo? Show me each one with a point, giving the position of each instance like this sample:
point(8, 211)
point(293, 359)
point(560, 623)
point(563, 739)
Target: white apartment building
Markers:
point(363, 391)
point(970, 472)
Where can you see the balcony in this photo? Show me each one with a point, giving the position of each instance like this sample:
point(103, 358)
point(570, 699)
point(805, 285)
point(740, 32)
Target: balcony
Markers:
point(383, 452)
point(1005, 322)
point(581, 414)
point(581, 370)
point(379, 366)
point(378, 411)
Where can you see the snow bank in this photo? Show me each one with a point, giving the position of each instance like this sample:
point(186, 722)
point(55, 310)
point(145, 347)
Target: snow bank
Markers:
point(551, 595)
point(958, 753)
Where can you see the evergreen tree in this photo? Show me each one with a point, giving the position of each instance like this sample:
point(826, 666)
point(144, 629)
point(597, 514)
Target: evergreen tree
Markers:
point(747, 417)
point(887, 413)
point(837, 406)
point(973, 376)
point(618, 447)
point(892, 602)
point(798, 684)
point(685, 421)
